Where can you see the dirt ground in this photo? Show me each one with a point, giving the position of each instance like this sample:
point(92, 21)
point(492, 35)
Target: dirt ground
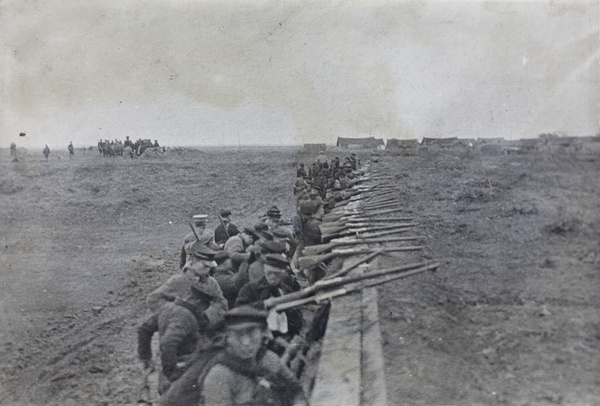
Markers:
point(511, 317)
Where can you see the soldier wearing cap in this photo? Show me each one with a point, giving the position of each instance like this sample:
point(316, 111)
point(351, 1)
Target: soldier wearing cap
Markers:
point(233, 273)
point(322, 159)
point(246, 372)
point(312, 215)
point(206, 238)
point(195, 272)
point(186, 309)
point(225, 230)
point(273, 220)
point(273, 284)
point(255, 270)
point(237, 247)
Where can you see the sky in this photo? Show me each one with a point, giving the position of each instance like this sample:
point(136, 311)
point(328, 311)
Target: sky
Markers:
point(225, 73)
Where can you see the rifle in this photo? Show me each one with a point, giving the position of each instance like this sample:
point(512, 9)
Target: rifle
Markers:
point(307, 262)
point(329, 217)
point(224, 226)
point(361, 230)
point(321, 248)
point(328, 228)
point(290, 300)
point(309, 290)
point(356, 219)
point(194, 231)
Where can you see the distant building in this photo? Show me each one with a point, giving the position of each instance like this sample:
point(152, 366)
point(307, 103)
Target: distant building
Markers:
point(360, 143)
point(403, 147)
point(315, 147)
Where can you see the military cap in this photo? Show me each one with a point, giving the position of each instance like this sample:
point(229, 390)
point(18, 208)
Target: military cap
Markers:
point(243, 316)
point(252, 232)
point(273, 247)
point(277, 260)
point(280, 233)
point(263, 231)
point(274, 212)
point(201, 251)
point(225, 213)
point(200, 217)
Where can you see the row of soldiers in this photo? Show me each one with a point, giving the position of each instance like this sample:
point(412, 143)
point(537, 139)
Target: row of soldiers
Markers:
point(218, 345)
point(326, 174)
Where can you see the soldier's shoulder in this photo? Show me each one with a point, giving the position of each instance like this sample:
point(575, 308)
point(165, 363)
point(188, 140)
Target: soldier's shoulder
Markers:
point(219, 375)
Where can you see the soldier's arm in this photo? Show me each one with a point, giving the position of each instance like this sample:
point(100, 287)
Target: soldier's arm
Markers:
point(181, 326)
point(145, 333)
point(215, 313)
point(165, 293)
point(236, 251)
point(284, 379)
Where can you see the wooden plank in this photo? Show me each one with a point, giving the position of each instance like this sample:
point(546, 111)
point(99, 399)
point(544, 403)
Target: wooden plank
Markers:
point(374, 391)
point(338, 375)
point(339, 372)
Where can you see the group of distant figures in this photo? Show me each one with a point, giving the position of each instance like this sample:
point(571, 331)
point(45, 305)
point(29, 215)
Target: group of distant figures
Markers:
point(106, 148)
point(120, 148)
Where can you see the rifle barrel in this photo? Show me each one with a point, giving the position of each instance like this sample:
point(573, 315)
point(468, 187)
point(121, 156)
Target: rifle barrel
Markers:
point(328, 296)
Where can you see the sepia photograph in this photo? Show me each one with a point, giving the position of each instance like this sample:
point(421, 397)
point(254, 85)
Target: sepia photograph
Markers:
point(299, 202)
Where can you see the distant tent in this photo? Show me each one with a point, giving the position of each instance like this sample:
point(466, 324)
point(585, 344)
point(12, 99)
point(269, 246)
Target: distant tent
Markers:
point(440, 142)
point(394, 143)
point(315, 147)
point(360, 143)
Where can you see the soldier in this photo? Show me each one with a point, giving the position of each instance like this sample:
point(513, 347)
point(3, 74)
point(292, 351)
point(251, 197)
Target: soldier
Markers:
point(354, 161)
point(233, 273)
point(322, 159)
point(312, 213)
point(155, 145)
point(71, 150)
point(241, 371)
point(273, 220)
point(201, 262)
point(206, 236)
point(248, 373)
point(226, 229)
point(129, 143)
point(46, 152)
point(301, 172)
point(191, 306)
point(273, 284)
point(237, 247)
point(256, 269)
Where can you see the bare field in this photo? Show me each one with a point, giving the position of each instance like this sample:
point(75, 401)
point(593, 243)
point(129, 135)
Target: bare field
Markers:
point(511, 317)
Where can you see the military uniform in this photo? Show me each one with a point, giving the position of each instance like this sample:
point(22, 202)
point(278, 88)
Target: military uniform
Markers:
point(207, 238)
point(255, 293)
point(179, 332)
point(264, 381)
point(235, 375)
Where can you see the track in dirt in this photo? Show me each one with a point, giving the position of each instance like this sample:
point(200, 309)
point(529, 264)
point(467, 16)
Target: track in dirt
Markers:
point(511, 317)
